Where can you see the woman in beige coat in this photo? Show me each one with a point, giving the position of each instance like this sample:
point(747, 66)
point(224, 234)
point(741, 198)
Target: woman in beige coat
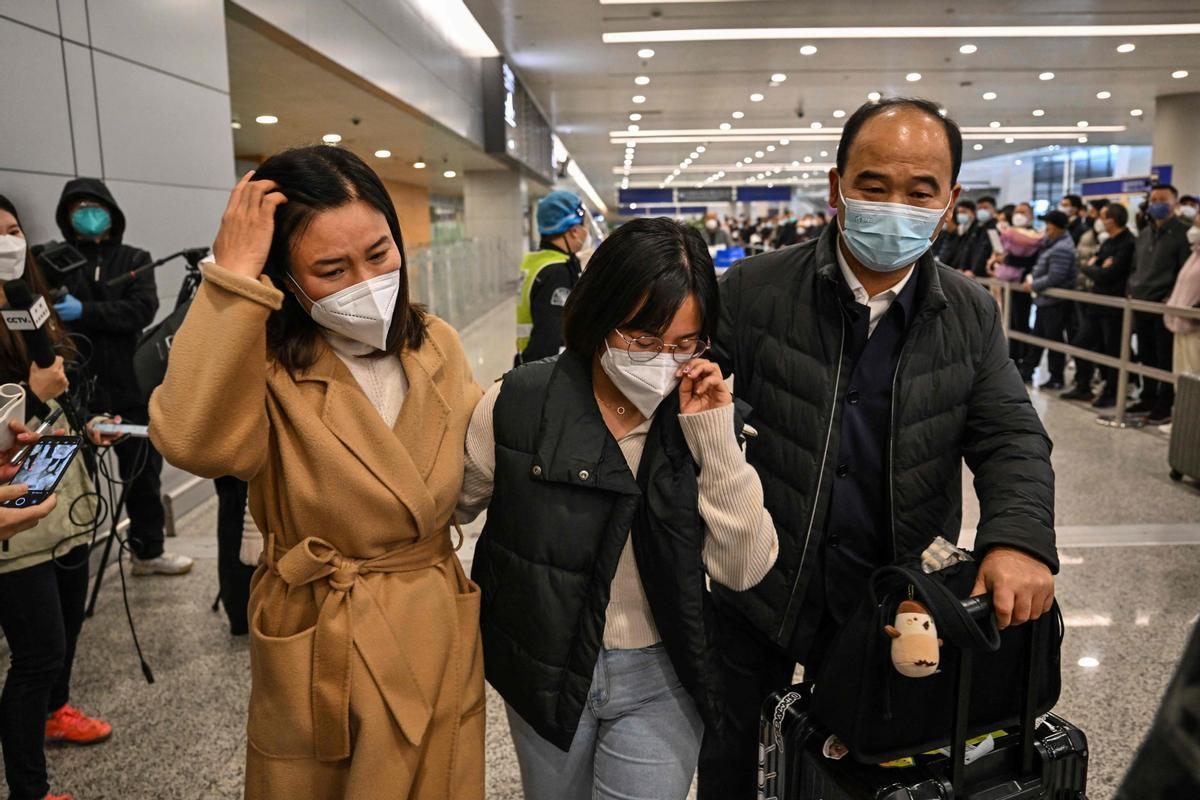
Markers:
point(348, 421)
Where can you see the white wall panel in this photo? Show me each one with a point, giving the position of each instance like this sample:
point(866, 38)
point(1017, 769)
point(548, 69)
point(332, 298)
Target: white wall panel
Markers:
point(73, 16)
point(85, 126)
point(38, 13)
point(290, 16)
point(182, 37)
point(35, 133)
point(157, 128)
point(36, 197)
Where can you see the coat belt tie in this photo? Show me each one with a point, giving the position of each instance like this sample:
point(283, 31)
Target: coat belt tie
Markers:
point(349, 605)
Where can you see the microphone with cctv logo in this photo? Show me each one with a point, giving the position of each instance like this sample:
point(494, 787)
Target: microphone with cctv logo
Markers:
point(28, 315)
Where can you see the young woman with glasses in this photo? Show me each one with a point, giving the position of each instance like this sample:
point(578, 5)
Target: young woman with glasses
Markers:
point(615, 488)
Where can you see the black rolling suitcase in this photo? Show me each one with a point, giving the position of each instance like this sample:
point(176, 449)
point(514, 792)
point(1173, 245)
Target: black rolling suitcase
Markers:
point(1042, 759)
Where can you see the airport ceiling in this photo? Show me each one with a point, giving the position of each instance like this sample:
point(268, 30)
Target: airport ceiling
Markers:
point(788, 86)
point(271, 74)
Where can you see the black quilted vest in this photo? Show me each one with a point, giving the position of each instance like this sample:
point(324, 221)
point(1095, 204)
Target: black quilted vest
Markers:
point(564, 503)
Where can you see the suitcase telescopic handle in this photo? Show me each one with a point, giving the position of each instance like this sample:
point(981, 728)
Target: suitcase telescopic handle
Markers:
point(978, 607)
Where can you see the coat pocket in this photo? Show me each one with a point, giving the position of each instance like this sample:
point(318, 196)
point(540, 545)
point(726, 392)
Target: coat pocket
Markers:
point(281, 717)
point(467, 776)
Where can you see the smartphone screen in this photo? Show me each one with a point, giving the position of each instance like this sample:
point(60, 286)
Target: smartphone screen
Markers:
point(43, 468)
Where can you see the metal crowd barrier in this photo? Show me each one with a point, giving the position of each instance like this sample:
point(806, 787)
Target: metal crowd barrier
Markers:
point(1124, 364)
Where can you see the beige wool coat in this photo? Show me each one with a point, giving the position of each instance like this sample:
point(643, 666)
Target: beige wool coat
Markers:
point(367, 669)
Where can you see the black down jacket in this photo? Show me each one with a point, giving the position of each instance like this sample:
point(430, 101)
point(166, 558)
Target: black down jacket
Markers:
point(957, 396)
point(113, 318)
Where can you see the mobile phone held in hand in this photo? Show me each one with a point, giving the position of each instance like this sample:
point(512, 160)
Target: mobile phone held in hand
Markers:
point(43, 468)
point(141, 431)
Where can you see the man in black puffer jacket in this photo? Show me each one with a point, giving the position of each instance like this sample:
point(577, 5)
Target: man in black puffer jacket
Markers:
point(874, 372)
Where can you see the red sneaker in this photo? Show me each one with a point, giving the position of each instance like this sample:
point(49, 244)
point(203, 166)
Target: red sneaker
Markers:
point(59, 797)
point(69, 725)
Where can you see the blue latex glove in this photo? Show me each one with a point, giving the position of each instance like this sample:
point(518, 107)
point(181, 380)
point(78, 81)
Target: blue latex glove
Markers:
point(69, 308)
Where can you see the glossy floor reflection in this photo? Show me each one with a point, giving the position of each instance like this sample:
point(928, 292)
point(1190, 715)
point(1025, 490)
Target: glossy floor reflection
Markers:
point(1129, 606)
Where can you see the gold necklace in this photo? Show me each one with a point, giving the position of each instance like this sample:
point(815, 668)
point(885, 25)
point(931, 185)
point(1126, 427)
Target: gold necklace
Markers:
point(618, 410)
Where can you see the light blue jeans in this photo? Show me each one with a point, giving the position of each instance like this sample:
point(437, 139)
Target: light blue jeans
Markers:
point(638, 738)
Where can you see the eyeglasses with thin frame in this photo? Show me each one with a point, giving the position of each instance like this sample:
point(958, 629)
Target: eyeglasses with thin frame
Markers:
point(648, 348)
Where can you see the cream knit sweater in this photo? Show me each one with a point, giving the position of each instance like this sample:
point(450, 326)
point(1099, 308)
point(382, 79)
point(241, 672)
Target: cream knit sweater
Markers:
point(740, 544)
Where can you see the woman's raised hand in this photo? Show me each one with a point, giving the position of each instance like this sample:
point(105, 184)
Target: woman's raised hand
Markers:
point(247, 226)
point(701, 387)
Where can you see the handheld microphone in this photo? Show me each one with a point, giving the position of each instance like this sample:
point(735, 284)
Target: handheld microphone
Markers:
point(28, 316)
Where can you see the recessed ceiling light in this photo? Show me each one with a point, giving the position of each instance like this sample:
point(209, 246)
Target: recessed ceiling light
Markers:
point(1009, 140)
point(824, 154)
point(838, 113)
point(1037, 112)
point(635, 117)
point(756, 98)
point(808, 50)
point(1126, 48)
point(978, 147)
point(770, 148)
point(816, 126)
point(989, 95)
point(1046, 76)
point(266, 119)
point(785, 142)
point(701, 149)
point(449, 174)
point(237, 126)
point(758, 154)
point(912, 77)
point(383, 153)
point(695, 154)
point(642, 80)
point(645, 52)
point(1137, 112)
point(994, 123)
point(1082, 123)
point(967, 49)
point(804, 175)
point(1103, 95)
point(1018, 162)
point(634, 128)
point(779, 77)
point(737, 114)
point(808, 159)
point(1089, 662)
point(1082, 139)
point(725, 126)
point(331, 138)
point(1179, 73)
point(638, 99)
point(747, 160)
point(874, 96)
point(418, 165)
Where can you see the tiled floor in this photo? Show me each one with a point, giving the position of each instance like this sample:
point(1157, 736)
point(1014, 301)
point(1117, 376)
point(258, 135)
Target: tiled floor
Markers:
point(1128, 605)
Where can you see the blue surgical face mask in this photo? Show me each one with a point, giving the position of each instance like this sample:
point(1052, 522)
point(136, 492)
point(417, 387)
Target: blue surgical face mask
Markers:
point(962, 219)
point(984, 215)
point(91, 221)
point(1159, 211)
point(886, 237)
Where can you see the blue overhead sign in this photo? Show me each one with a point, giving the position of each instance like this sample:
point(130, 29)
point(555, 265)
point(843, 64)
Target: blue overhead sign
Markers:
point(1136, 184)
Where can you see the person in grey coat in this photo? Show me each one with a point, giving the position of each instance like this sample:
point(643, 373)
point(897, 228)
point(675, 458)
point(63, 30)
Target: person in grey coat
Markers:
point(1055, 269)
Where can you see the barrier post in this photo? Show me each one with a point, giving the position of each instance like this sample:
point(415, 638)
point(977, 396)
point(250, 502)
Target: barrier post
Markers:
point(1119, 420)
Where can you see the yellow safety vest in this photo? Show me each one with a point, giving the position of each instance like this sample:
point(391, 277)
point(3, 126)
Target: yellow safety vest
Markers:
point(531, 265)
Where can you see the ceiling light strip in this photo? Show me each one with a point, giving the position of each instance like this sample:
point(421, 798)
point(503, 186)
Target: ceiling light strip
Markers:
point(716, 133)
point(939, 32)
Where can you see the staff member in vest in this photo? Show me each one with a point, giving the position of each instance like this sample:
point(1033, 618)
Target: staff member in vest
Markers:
point(345, 407)
point(617, 487)
point(873, 373)
point(548, 275)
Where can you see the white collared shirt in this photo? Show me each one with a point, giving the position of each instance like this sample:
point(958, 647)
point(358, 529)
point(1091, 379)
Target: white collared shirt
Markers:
point(880, 303)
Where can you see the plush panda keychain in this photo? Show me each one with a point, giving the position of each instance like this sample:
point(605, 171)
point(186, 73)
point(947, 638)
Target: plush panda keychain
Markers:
point(915, 643)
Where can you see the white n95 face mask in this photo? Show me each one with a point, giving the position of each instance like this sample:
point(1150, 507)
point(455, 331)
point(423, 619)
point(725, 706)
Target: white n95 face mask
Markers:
point(645, 383)
point(12, 257)
point(362, 312)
